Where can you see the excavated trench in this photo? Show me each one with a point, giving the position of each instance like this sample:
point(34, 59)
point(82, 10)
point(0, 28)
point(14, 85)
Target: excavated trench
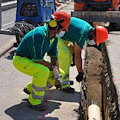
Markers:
point(97, 84)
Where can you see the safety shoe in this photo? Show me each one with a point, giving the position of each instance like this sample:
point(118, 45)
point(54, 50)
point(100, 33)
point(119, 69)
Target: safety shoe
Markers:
point(40, 107)
point(26, 91)
point(68, 90)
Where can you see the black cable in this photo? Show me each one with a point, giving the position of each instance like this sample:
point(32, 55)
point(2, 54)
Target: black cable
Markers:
point(23, 27)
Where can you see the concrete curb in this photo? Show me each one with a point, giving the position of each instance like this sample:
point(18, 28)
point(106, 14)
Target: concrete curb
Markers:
point(110, 89)
point(9, 5)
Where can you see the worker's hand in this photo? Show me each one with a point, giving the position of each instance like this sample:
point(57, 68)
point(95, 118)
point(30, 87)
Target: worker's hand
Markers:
point(59, 82)
point(58, 78)
point(55, 72)
point(79, 77)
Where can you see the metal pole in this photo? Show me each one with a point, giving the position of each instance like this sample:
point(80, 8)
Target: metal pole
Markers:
point(0, 14)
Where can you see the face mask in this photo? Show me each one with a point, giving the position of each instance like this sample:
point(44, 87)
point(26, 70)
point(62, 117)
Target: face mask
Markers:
point(91, 42)
point(61, 34)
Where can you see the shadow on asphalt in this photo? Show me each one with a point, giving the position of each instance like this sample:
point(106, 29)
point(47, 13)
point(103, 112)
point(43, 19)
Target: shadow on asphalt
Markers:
point(63, 96)
point(10, 56)
point(23, 112)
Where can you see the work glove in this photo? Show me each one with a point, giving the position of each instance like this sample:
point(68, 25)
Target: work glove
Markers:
point(58, 78)
point(55, 72)
point(79, 77)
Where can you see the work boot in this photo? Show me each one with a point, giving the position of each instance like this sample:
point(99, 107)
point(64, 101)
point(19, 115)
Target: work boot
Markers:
point(26, 91)
point(68, 90)
point(40, 107)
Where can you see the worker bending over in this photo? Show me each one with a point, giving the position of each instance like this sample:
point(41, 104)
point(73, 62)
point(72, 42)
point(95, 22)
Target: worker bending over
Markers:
point(78, 32)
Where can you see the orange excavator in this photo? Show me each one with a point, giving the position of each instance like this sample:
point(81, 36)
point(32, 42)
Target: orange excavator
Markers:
point(97, 11)
point(96, 5)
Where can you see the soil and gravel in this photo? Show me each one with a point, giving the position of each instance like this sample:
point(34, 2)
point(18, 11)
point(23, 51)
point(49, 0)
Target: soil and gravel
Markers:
point(94, 76)
point(98, 84)
point(91, 86)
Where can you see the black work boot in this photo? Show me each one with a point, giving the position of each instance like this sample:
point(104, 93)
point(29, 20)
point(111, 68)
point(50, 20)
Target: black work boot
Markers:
point(26, 91)
point(40, 107)
point(69, 90)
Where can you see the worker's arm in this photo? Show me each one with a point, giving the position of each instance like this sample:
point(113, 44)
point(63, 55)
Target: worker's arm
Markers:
point(44, 63)
point(72, 48)
point(78, 59)
point(54, 61)
point(78, 63)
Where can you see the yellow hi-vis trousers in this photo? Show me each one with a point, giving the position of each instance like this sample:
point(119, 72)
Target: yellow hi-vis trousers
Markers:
point(42, 78)
point(64, 58)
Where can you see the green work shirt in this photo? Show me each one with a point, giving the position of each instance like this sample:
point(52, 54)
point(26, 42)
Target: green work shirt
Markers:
point(36, 43)
point(77, 31)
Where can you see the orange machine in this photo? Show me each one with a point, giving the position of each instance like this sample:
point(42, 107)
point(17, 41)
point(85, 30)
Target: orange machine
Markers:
point(96, 5)
point(98, 11)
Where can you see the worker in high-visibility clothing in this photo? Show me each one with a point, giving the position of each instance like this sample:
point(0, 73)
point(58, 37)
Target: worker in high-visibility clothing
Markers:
point(29, 58)
point(78, 32)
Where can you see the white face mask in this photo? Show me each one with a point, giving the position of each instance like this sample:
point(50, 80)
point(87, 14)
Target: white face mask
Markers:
point(61, 34)
point(91, 42)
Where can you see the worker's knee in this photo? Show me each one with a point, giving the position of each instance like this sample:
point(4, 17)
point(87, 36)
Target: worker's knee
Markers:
point(42, 74)
point(44, 70)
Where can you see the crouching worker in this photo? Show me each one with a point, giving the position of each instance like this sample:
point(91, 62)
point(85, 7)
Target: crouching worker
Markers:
point(29, 58)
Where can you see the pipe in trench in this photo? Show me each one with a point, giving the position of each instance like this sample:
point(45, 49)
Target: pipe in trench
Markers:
point(93, 111)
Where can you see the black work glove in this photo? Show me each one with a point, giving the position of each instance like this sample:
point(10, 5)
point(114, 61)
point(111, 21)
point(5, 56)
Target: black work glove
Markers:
point(79, 77)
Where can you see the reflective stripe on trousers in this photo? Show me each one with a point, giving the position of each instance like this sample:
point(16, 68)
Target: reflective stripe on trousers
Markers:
point(48, 86)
